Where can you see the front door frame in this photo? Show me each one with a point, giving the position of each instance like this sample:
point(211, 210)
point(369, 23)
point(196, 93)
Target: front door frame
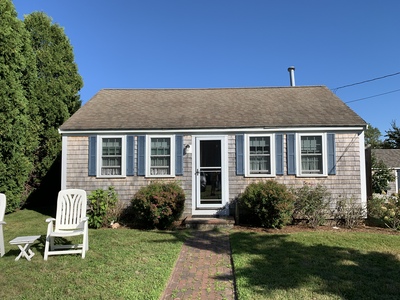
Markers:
point(220, 209)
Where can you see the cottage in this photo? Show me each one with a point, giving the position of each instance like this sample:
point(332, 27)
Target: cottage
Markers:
point(391, 158)
point(215, 142)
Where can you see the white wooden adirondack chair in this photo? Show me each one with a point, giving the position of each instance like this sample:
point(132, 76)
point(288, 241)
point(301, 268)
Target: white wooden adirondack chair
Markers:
point(70, 221)
point(2, 212)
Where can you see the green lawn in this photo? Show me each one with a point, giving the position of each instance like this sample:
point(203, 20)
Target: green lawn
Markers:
point(121, 264)
point(316, 265)
point(134, 264)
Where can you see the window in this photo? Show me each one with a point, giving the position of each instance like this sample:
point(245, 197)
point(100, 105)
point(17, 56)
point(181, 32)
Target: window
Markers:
point(260, 155)
point(112, 156)
point(312, 155)
point(161, 161)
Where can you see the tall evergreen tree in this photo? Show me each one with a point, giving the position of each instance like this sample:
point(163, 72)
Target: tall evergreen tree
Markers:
point(372, 137)
point(57, 87)
point(392, 140)
point(18, 123)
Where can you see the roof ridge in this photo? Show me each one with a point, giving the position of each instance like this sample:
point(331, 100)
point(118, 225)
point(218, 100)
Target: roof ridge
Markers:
point(217, 88)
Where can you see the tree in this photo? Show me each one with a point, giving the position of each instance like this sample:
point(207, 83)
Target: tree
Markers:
point(392, 140)
point(372, 137)
point(381, 176)
point(58, 84)
point(18, 122)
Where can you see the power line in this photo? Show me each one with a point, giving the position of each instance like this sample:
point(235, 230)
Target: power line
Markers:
point(360, 99)
point(365, 81)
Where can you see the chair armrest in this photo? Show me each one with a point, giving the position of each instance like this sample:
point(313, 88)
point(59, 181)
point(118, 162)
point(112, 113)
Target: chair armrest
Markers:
point(85, 219)
point(2, 223)
point(50, 220)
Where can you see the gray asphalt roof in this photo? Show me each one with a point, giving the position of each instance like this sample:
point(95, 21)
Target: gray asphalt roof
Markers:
point(217, 108)
point(391, 157)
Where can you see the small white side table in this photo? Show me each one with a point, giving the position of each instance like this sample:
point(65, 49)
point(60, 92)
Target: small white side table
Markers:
point(24, 243)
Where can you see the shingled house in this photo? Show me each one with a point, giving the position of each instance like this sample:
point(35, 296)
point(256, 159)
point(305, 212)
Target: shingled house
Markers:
point(215, 142)
point(391, 158)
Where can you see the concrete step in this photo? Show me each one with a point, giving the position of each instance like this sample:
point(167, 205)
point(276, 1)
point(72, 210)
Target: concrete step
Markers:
point(207, 223)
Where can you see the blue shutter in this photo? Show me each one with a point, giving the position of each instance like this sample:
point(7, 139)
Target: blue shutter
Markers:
point(239, 154)
point(279, 153)
point(130, 155)
point(331, 154)
point(291, 153)
point(141, 140)
point(179, 155)
point(92, 155)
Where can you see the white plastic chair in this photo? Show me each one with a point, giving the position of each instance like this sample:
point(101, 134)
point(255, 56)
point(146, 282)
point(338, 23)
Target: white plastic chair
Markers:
point(2, 212)
point(70, 221)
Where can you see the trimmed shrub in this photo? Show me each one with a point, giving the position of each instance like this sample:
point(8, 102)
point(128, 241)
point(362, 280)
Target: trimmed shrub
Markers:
point(312, 204)
point(269, 202)
point(103, 207)
point(158, 205)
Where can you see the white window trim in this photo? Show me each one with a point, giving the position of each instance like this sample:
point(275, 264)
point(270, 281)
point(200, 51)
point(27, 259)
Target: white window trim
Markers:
point(100, 152)
point(247, 155)
point(324, 155)
point(148, 156)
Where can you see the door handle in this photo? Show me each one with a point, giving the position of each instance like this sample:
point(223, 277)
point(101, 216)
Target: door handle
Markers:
point(197, 172)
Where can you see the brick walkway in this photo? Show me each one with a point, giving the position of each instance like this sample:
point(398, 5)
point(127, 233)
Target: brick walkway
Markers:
point(203, 269)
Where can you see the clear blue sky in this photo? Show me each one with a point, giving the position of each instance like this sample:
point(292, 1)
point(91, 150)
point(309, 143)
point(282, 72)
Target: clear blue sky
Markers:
point(230, 43)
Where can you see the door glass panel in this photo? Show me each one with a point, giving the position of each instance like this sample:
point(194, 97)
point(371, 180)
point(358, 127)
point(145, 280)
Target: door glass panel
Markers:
point(210, 172)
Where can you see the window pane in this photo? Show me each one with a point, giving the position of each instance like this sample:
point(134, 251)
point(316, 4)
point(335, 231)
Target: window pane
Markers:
point(111, 156)
point(311, 155)
point(311, 164)
point(259, 145)
point(160, 158)
point(260, 165)
point(311, 144)
point(260, 155)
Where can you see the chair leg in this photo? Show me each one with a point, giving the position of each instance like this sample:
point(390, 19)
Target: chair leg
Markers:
point(87, 240)
point(84, 245)
point(46, 247)
point(2, 249)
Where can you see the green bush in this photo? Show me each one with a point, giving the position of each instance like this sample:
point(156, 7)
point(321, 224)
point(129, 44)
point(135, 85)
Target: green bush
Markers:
point(269, 202)
point(312, 204)
point(387, 209)
point(158, 205)
point(374, 205)
point(103, 206)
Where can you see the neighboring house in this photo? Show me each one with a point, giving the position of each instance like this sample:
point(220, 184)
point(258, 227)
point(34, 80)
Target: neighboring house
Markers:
point(215, 142)
point(391, 158)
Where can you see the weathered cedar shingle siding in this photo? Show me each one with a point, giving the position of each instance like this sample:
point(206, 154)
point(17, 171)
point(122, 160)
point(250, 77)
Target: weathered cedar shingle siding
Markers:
point(77, 173)
point(345, 184)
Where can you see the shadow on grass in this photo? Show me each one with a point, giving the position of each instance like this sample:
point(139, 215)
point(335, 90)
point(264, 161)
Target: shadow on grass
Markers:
point(274, 263)
point(210, 240)
point(38, 246)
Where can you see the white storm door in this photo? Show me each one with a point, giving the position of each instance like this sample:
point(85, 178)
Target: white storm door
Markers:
point(211, 172)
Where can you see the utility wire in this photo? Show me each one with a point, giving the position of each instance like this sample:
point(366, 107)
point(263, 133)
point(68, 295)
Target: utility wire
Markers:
point(365, 81)
point(398, 90)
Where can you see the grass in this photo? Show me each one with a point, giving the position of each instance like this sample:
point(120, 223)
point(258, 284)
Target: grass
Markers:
point(120, 264)
point(134, 264)
point(316, 265)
